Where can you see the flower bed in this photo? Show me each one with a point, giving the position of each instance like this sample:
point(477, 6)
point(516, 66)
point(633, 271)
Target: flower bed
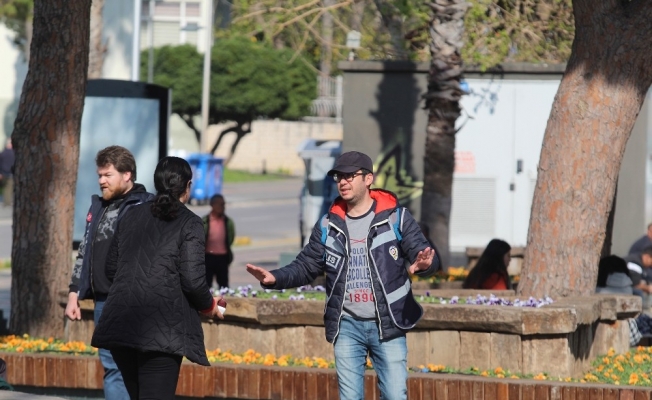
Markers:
point(317, 293)
point(561, 338)
point(262, 382)
point(632, 368)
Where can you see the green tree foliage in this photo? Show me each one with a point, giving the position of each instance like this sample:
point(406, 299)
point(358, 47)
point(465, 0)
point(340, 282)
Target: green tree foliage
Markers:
point(496, 31)
point(17, 15)
point(253, 80)
point(518, 30)
point(249, 80)
point(296, 25)
point(180, 69)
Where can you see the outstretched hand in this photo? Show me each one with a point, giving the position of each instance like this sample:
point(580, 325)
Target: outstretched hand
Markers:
point(263, 275)
point(423, 261)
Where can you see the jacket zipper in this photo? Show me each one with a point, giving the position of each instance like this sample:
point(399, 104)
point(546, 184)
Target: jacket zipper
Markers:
point(90, 262)
point(380, 325)
point(346, 261)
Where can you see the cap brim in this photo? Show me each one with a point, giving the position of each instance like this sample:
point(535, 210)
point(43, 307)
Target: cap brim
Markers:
point(343, 169)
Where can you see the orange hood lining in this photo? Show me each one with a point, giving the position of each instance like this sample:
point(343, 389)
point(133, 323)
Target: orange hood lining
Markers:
point(385, 200)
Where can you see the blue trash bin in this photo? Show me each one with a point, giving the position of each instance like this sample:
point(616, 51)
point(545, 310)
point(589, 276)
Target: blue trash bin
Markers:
point(214, 176)
point(207, 176)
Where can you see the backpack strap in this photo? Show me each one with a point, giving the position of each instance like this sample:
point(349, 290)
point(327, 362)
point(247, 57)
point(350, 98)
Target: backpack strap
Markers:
point(324, 228)
point(396, 220)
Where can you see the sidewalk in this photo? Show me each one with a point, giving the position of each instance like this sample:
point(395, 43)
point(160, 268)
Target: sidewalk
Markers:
point(5, 212)
point(9, 395)
point(249, 203)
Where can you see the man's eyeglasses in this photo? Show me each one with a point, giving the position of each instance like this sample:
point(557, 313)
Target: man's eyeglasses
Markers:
point(349, 177)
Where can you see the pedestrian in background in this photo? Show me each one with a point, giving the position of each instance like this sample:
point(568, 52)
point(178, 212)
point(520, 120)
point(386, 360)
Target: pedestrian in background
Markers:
point(156, 266)
point(642, 243)
point(220, 233)
point(7, 161)
point(490, 272)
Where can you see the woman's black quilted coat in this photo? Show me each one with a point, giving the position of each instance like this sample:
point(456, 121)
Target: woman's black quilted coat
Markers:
point(159, 283)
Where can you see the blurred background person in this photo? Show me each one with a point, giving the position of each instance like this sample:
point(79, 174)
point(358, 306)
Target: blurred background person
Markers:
point(643, 242)
point(613, 276)
point(490, 272)
point(220, 233)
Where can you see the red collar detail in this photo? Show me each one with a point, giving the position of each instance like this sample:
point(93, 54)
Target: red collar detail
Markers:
point(385, 200)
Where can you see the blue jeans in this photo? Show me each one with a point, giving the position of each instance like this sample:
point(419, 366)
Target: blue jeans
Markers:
point(389, 358)
point(114, 387)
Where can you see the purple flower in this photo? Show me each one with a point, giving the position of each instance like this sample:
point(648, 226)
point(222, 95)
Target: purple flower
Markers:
point(455, 300)
point(427, 293)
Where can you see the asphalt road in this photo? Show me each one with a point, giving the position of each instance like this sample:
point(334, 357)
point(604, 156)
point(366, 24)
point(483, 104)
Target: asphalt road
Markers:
point(266, 216)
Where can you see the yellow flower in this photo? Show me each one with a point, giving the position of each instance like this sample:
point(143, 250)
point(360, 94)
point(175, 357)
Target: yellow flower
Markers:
point(540, 377)
point(435, 368)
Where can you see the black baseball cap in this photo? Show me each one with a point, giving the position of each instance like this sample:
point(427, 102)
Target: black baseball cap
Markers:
point(350, 162)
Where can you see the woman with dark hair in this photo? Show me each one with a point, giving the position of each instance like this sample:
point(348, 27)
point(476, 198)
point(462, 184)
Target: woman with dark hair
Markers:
point(613, 276)
point(156, 265)
point(490, 272)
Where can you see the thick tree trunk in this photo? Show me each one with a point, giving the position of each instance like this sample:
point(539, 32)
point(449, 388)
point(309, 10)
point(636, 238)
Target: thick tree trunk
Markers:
point(46, 142)
point(442, 102)
point(97, 44)
point(599, 98)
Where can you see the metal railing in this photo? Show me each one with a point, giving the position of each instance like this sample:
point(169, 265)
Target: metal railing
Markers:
point(329, 103)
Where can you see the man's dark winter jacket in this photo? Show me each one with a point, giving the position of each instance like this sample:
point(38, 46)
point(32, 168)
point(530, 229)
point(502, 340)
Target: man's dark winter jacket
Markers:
point(328, 251)
point(89, 264)
point(159, 283)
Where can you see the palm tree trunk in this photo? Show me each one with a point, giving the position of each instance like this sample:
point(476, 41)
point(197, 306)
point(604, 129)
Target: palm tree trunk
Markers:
point(442, 102)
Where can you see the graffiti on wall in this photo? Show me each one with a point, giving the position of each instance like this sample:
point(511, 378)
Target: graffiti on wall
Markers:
point(392, 174)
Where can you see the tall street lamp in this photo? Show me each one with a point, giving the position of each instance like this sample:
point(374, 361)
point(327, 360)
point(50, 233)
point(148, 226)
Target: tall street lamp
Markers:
point(150, 42)
point(206, 80)
point(205, 94)
point(135, 43)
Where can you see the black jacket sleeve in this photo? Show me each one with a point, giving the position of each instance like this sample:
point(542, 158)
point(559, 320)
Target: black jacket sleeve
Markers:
point(308, 265)
point(192, 271)
point(413, 242)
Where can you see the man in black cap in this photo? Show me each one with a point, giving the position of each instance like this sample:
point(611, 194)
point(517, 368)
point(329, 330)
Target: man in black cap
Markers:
point(366, 245)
